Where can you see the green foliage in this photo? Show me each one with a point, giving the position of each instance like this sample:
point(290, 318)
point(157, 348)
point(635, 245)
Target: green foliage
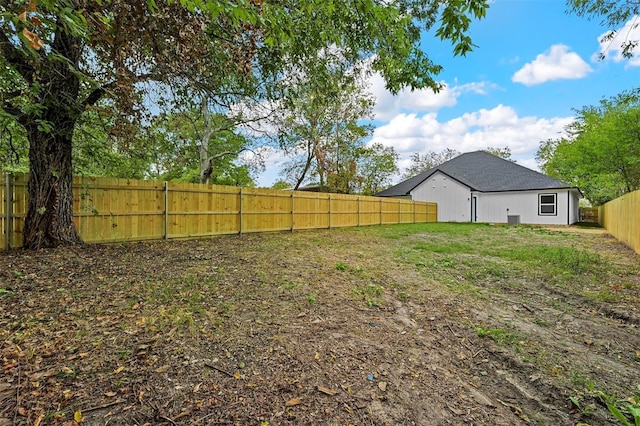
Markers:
point(60, 60)
point(319, 125)
point(183, 142)
point(376, 164)
point(601, 152)
point(618, 407)
point(421, 163)
point(341, 266)
point(14, 146)
point(281, 185)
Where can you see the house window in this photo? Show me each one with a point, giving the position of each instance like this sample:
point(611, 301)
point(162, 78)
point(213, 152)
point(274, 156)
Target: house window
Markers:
point(547, 205)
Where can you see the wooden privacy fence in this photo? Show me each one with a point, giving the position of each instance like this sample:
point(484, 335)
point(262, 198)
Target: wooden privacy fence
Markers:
point(621, 218)
point(111, 210)
point(589, 214)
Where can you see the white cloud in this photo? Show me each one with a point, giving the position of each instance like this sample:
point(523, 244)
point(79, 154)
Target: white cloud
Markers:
point(612, 48)
point(529, 163)
point(555, 64)
point(497, 127)
point(419, 101)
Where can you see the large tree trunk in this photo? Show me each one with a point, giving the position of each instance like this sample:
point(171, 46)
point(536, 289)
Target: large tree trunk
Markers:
point(50, 131)
point(50, 209)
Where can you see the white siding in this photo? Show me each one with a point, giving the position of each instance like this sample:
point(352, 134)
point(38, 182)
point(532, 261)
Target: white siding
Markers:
point(574, 206)
point(492, 207)
point(453, 198)
point(454, 203)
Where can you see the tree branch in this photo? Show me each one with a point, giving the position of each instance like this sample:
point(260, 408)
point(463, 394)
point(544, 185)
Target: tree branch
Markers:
point(99, 92)
point(16, 58)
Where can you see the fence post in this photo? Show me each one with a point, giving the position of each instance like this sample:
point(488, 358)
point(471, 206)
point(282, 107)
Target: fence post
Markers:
point(292, 213)
point(399, 211)
point(358, 220)
point(166, 210)
point(240, 211)
point(7, 212)
point(414, 212)
point(329, 210)
point(380, 210)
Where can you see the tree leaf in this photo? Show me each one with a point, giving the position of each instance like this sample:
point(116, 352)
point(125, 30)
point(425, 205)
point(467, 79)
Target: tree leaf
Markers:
point(293, 402)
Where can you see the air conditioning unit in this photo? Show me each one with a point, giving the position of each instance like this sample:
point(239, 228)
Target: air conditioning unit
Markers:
point(513, 220)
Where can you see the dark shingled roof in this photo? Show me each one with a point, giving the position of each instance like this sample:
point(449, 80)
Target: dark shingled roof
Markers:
point(482, 172)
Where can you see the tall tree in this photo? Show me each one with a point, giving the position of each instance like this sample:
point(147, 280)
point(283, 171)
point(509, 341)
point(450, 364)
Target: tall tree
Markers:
point(376, 166)
point(601, 151)
point(423, 162)
point(320, 125)
point(59, 58)
point(198, 146)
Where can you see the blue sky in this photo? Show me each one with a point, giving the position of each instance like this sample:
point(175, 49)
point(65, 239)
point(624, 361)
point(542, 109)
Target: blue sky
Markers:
point(533, 65)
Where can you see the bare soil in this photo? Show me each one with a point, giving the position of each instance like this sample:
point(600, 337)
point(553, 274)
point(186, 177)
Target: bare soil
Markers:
point(412, 325)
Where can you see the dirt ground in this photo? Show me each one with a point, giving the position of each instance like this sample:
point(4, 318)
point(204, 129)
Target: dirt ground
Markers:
point(368, 326)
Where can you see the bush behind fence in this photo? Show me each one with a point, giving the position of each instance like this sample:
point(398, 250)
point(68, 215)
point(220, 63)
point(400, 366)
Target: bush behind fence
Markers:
point(112, 210)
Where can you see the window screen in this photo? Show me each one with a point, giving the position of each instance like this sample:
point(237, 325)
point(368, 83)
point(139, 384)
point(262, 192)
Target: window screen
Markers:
point(547, 204)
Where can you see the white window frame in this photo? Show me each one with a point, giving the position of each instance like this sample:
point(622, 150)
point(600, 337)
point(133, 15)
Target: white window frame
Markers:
point(554, 204)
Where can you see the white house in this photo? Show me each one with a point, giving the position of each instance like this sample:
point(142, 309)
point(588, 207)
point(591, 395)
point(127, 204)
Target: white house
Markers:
point(481, 187)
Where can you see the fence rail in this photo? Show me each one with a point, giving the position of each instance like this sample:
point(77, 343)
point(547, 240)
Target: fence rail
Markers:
point(621, 218)
point(112, 210)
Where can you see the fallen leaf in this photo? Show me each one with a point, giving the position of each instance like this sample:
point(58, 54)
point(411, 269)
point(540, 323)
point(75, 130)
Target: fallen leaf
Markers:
point(327, 391)
point(110, 394)
point(77, 416)
point(7, 367)
point(118, 370)
point(35, 41)
point(293, 402)
point(196, 388)
point(39, 420)
point(22, 411)
point(382, 386)
point(162, 369)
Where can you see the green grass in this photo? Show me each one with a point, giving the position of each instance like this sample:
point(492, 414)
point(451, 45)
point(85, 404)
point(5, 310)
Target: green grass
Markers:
point(438, 247)
point(371, 294)
point(569, 259)
point(500, 336)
